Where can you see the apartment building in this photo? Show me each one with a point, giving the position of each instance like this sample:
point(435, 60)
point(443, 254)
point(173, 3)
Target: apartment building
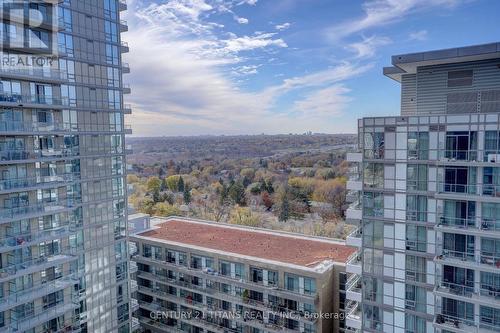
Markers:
point(425, 195)
point(63, 223)
point(200, 276)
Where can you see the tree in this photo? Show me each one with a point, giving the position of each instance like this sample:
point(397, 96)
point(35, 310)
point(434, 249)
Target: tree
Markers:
point(153, 184)
point(180, 184)
point(237, 193)
point(172, 182)
point(284, 210)
point(244, 216)
point(187, 195)
point(165, 209)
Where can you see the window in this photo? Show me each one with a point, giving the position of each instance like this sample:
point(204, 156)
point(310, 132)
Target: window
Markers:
point(416, 208)
point(415, 324)
point(490, 216)
point(490, 284)
point(460, 180)
point(416, 268)
point(459, 246)
point(489, 317)
point(372, 289)
point(309, 286)
point(110, 9)
point(416, 238)
point(112, 57)
point(463, 311)
point(416, 177)
point(459, 213)
point(491, 146)
point(373, 204)
point(462, 78)
point(490, 251)
point(225, 268)
point(374, 175)
point(372, 317)
point(272, 278)
point(491, 181)
point(461, 146)
point(418, 145)
point(110, 31)
point(239, 271)
point(66, 44)
point(373, 233)
point(291, 282)
point(374, 145)
point(156, 252)
point(256, 275)
point(415, 298)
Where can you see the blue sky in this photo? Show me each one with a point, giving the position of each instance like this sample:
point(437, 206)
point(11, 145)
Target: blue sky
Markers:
point(282, 66)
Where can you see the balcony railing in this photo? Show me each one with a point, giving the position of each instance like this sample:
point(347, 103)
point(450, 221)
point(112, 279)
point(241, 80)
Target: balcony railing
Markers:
point(19, 155)
point(457, 222)
point(12, 269)
point(52, 74)
point(490, 190)
point(19, 183)
point(455, 288)
point(478, 257)
point(42, 207)
point(31, 99)
point(459, 155)
point(24, 238)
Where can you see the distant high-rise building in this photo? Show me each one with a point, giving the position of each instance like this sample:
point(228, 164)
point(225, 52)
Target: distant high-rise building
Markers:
point(426, 197)
point(63, 246)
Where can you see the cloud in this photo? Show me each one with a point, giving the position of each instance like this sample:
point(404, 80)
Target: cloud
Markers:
point(242, 20)
point(383, 12)
point(418, 35)
point(283, 26)
point(329, 101)
point(367, 47)
point(184, 68)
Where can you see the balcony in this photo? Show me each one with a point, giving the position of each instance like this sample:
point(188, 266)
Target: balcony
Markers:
point(122, 5)
point(41, 75)
point(37, 209)
point(354, 238)
point(484, 190)
point(127, 109)
point(125, 68)
point(354, 157)
point(127, 129)
point(126, 89)
point(354, 212)
point(354, 185)
point(7, 156)
point(23, 184)
point(353, 315)
point(133, 267)
point(133, 286)
point(453, 155)
point(353, 289)
point(38, 290)
point(35, 101)
point(134, 325)
point(453, 323)
point(124, 47)
point(353, 264)
point(123, 26)
point(134, 305)
point(446, 289)
point(10, 243)
point(480, 259)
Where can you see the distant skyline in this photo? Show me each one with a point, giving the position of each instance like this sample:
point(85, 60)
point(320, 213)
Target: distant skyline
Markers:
point(211, 67)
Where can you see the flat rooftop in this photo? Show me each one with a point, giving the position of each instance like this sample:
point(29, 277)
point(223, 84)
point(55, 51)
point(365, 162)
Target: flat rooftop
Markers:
point(261, 244)
point(408, 63)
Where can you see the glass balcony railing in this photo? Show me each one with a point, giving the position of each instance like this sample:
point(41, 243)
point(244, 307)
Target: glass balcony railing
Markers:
point(42, 73)
point(31, 99)
point(459, 155)
point(466, 290)
point(38, 208)
point(19, 183)
point(25, 238)
point(478, 257)
point(491, 190)
point(457, 222)
point(18, 155)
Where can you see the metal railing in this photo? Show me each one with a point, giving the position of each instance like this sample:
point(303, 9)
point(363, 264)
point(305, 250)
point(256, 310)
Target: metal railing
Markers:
point(32, 99)
point(55, 74)
point(18, 155)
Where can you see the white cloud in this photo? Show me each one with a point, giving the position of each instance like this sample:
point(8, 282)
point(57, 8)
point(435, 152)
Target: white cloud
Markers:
point(182, 85)
point(383, 12)
point(329, 101)
point(367, 47)
point(283, 26)
point(418, 35)
point(241, 20)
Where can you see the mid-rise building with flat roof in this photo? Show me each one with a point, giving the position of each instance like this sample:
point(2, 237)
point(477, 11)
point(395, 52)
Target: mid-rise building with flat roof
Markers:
point(200, 276)
point(425, 188)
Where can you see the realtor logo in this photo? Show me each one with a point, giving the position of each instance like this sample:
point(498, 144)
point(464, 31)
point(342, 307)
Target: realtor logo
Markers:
point(29, 26)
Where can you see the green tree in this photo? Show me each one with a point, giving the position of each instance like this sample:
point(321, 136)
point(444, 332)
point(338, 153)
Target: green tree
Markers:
point(237, 193)
point(284, 209)
point(172, 182)
point(165, 209)
point(180, 184)
point(187, 195)
point(153, 184)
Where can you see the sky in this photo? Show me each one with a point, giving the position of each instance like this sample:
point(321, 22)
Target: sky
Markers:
point(213, 67)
